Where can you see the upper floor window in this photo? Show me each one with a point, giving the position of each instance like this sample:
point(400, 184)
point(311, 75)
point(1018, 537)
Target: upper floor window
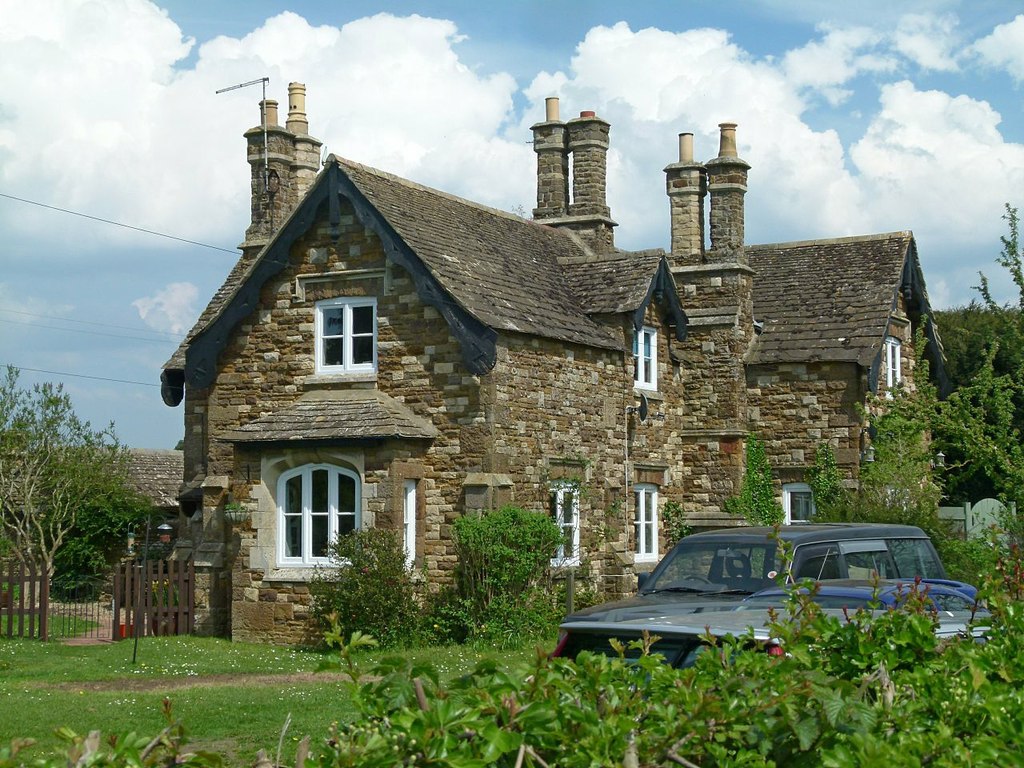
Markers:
point(645, 520)
point(797, 502)
point(346, 335)
point(316, 504)
point(565, 511)
point(893, 372)
point(645, 358)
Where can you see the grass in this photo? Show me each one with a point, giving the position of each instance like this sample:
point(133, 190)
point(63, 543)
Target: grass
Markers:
point(233, 698)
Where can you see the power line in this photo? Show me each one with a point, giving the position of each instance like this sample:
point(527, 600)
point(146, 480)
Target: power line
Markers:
point(88, 333)
point(119, 224)
point(170, 336)
point(84, 376)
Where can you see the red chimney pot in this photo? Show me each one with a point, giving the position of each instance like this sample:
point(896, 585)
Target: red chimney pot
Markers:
point(588, 113)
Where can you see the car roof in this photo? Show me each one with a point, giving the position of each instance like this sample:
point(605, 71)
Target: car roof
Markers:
point(806, 533)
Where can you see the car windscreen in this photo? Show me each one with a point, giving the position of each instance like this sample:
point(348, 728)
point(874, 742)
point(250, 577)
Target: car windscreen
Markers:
point(916, 557)
point(710, 565)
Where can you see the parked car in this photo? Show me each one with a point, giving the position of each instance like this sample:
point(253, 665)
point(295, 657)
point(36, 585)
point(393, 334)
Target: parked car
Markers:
point(943, 595)
point(680, 638)
point(717, 569)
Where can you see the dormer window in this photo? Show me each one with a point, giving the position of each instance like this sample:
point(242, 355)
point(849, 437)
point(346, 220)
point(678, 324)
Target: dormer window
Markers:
point(645, 358)
point(893, 372)
point(346, 335)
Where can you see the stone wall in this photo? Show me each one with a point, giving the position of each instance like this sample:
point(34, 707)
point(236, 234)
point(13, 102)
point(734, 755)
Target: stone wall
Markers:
point(794, 407)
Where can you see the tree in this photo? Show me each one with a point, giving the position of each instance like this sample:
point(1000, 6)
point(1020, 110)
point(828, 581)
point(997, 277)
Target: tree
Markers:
point(52, 466)
point(984, 418)
point(756, 501)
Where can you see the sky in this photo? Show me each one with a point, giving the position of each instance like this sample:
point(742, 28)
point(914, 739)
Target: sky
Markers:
point(124, 187)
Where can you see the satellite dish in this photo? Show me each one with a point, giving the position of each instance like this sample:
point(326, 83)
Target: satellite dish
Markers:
point(643, 407)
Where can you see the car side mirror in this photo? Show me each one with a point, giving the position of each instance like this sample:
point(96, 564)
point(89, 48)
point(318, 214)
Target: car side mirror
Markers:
point(641, 579)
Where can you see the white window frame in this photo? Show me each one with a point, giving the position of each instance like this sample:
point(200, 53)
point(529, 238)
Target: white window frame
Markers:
point(306, 558)
point(645, 517)
point(565, 508)
point(347, 304)
point(893, 363)
point(789, 490)
point(409, 501)
point(648, 380)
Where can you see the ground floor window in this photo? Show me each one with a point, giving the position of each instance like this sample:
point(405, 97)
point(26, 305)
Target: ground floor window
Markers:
point(565, 511)
point(798, 502)
point(409, 522)
point(645, 521)
point(316, 504)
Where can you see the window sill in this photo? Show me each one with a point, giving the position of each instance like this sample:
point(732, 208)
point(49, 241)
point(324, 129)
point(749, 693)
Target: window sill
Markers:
point(322, 379)
point(570, 562)
point(650, 394)
point(300, 573)
point(645, 559)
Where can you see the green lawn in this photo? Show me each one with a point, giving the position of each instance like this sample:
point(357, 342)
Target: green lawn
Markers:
point(232, 697)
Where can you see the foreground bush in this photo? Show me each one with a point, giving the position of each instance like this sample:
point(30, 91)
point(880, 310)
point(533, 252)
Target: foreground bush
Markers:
point(850, 692)
point(368, 589)
point(497, 598)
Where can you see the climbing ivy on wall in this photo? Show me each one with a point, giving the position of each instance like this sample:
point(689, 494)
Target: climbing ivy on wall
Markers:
point(756, 501)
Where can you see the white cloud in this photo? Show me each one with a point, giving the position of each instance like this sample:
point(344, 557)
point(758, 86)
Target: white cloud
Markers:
point(1004, 48)
point(833, 61)
point(927, 40)
point(172, 309)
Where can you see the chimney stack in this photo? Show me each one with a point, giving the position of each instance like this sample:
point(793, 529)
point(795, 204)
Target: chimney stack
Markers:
point(686, 186)
point(549, 142)
point(588, 142)
point(284, 161)
point(727, 182)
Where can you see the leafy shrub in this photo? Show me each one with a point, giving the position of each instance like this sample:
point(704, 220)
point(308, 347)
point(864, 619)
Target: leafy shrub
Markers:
point(502, 556)
point(756, 501)
point(368, 588)
point(849, 692)
point(674, 523)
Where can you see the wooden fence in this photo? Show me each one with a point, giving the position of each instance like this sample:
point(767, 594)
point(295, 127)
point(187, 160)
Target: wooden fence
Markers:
point(24, 601)
point(154, 598)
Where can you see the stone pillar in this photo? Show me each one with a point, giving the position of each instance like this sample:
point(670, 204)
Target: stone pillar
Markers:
point(588, 142)
point(727, 182)
point(549, 142)
point(686, 186)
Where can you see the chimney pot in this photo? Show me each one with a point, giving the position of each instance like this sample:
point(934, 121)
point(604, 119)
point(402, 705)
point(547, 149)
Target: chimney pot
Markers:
point(685, 147)
point(727, 140)
point(588, 113)
point(297, 122)
point(268, 110)
point(551, 109)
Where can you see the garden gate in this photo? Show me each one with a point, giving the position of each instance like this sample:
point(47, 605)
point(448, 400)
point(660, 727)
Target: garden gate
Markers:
point(156, 597)
point(24, 601)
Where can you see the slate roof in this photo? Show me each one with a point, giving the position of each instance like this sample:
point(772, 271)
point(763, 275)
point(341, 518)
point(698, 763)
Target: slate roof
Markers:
point(506, 271)
point(509, 273)
point(827, 300)
point(617, 282)
point(353, 414)
point(157, 474)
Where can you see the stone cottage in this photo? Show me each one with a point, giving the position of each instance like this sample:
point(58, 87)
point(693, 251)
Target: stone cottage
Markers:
point(385, 354)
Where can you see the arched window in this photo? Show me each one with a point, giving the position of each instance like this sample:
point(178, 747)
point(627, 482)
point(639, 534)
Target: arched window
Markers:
point(315, 504)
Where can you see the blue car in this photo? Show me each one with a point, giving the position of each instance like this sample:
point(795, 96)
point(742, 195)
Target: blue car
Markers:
point(943, 594)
